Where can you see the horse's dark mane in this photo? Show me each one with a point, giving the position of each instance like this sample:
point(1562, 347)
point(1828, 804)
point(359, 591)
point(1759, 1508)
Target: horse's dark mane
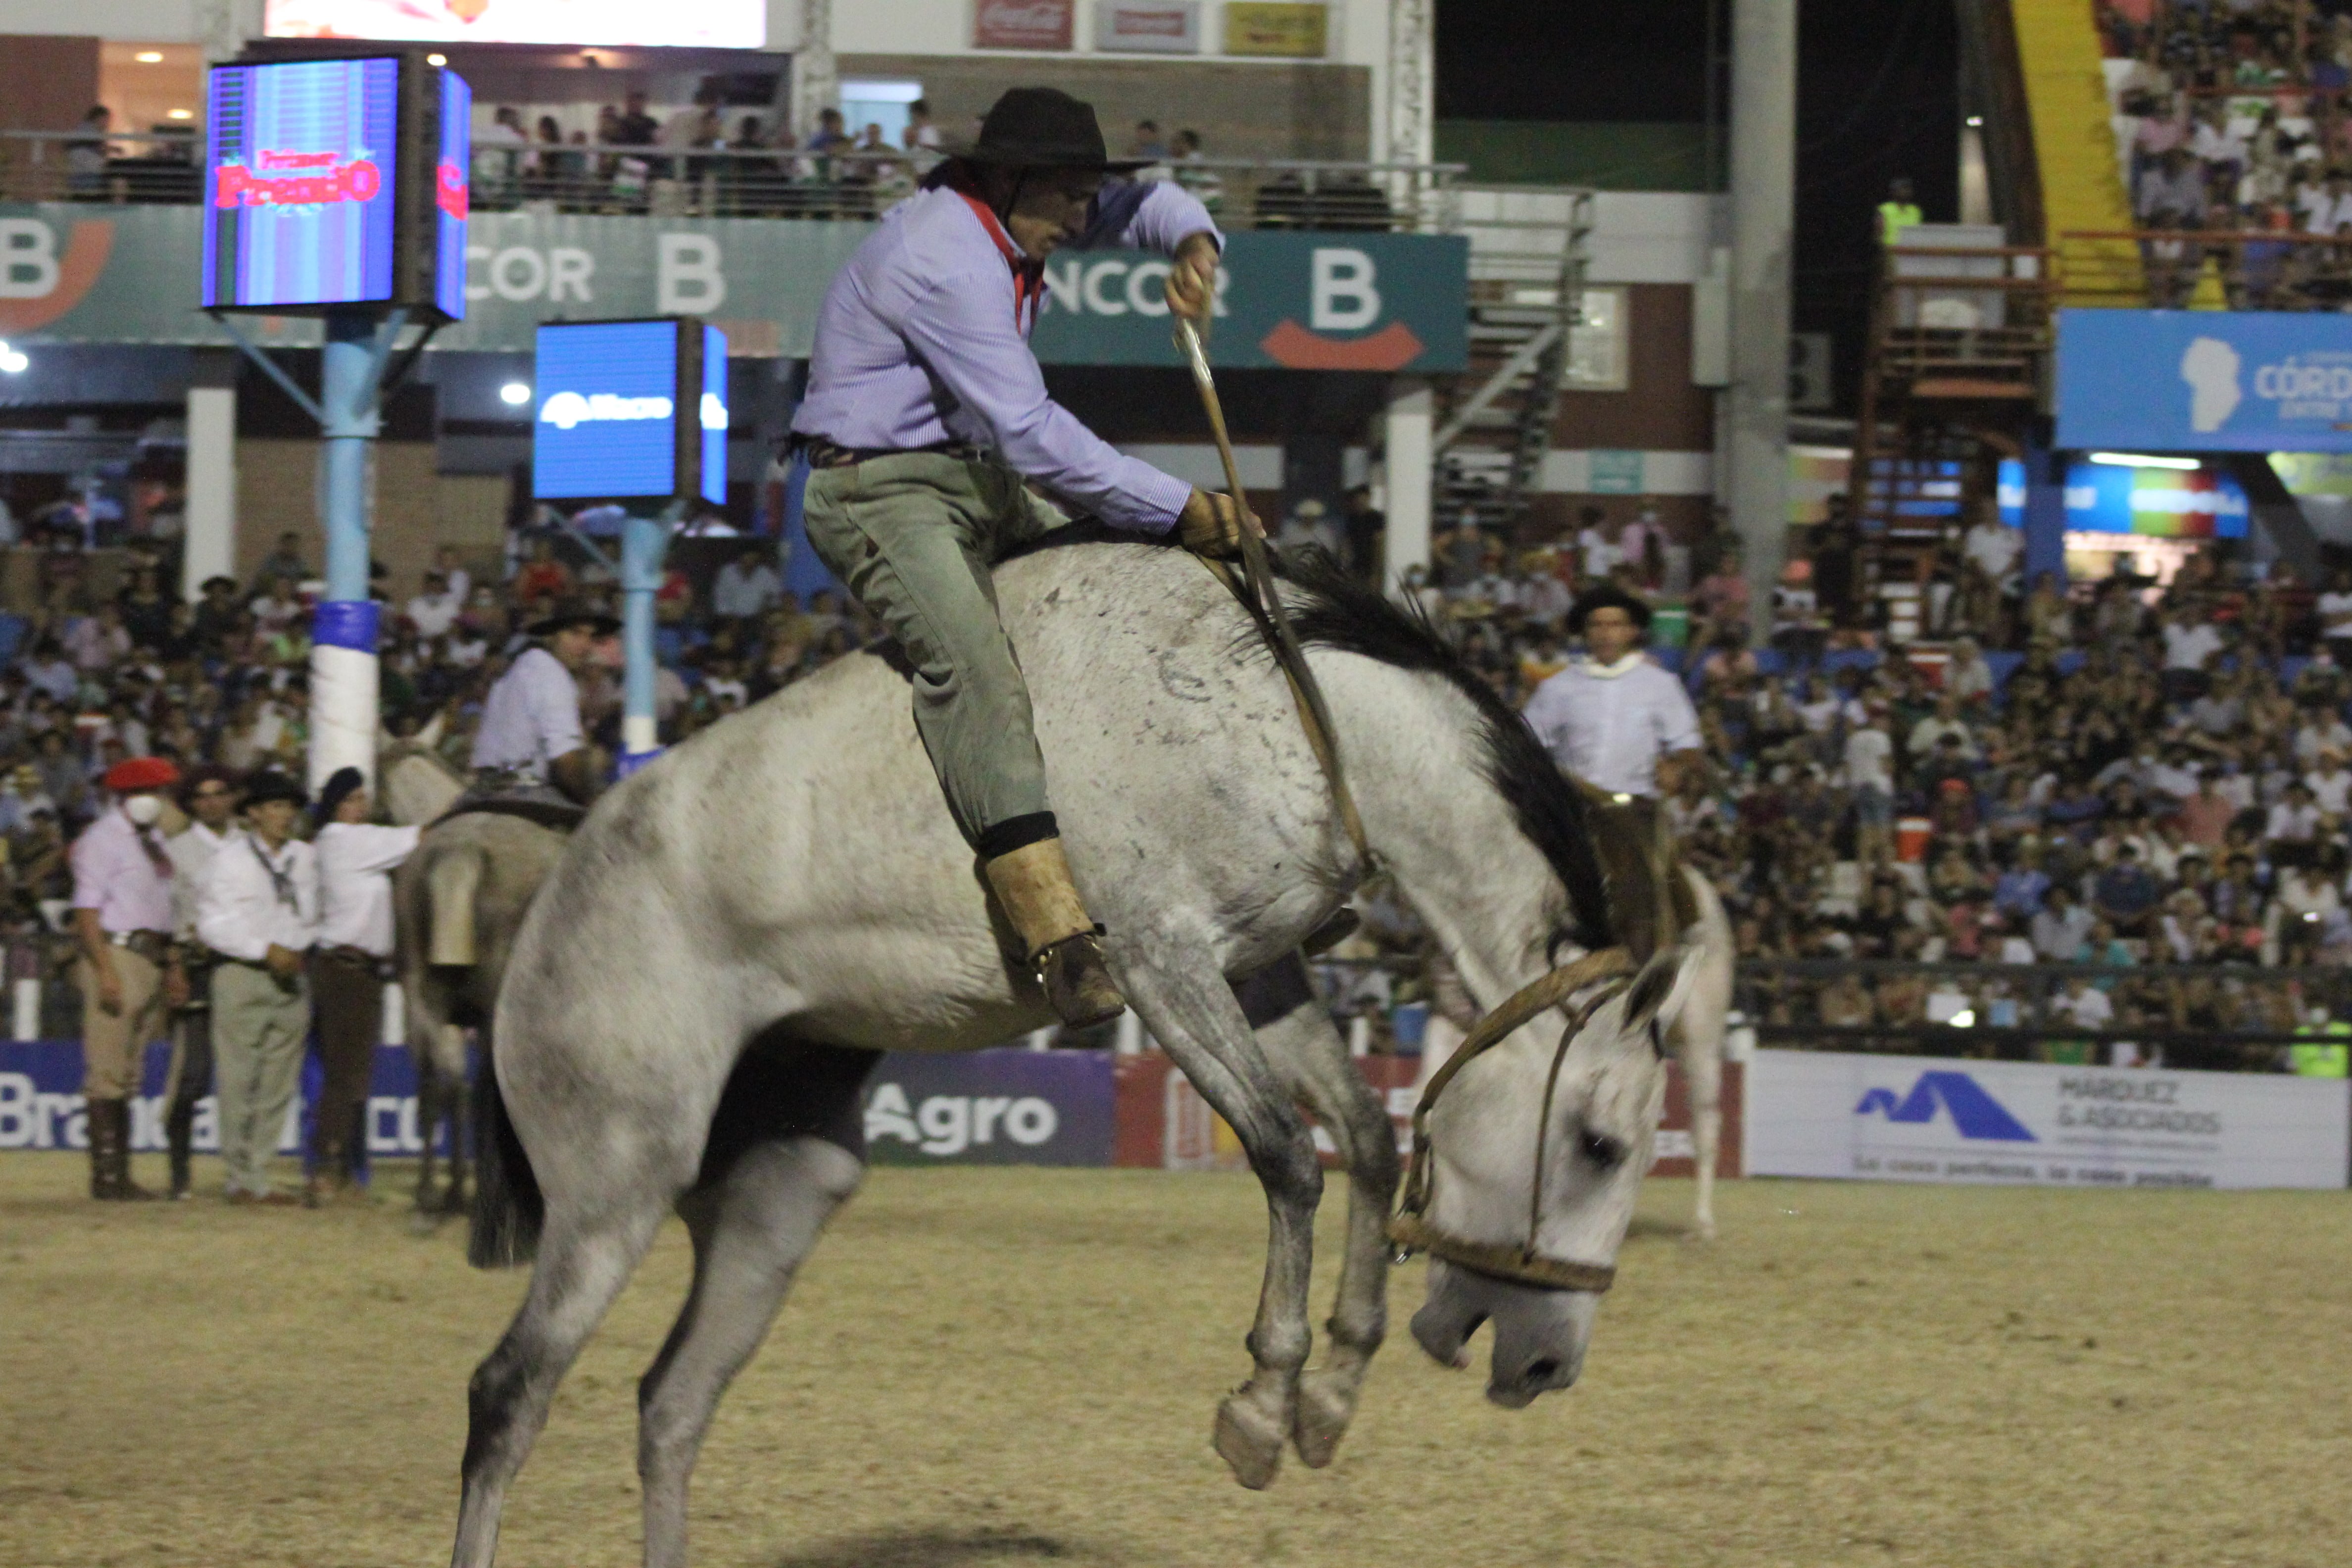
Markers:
point(1340, 612)
point(1337, 612)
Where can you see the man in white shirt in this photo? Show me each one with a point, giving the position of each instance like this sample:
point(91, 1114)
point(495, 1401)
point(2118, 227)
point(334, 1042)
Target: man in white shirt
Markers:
point(2330, 783)
point(433, 611)
point(1995, 548)
point(356, 859)
point(259, 912)
point(209, 796)
point(1626, 728)
point(530, 728)
point(2189, 640)
point(1868, 769)
point(745, 588)
point(1613, 717)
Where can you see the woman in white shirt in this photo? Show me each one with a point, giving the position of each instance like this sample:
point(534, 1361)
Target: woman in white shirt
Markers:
point(356, 859)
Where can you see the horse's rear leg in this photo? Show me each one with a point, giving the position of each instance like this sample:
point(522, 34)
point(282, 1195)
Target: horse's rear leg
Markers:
point(751, 1231)
point(1299, 1041)
point(1193, 1014)
point(584, 1259)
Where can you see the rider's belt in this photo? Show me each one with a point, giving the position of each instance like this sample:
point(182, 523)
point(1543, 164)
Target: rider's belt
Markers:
point(822, 453)
point(155, 946)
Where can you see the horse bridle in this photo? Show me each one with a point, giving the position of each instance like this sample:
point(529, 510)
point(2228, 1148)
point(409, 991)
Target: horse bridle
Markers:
point(1411, 1228)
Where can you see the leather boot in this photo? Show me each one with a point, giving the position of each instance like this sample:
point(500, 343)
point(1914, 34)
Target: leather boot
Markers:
point(98, 1126)
point(180, 1137)
point(110, 1153)
point(1060, 939)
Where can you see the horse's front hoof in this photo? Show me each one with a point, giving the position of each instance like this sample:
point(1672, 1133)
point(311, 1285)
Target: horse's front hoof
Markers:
point(1326, 1402)
point(1249, 1444)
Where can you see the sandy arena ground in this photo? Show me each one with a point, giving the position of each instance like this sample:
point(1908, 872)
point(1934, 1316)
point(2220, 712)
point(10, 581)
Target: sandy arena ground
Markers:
point(1015, 1367)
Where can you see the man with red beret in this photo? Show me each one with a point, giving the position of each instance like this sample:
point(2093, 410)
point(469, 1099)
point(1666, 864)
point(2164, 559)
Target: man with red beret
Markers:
point(128, 973)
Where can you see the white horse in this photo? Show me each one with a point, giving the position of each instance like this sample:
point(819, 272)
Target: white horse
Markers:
point(695, 999)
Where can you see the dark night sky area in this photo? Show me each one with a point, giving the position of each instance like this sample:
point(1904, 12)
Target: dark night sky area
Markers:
point(1877, 95)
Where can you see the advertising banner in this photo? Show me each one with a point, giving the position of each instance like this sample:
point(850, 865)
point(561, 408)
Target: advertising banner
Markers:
point(1262, 27)
point(301, 171)
point(41, 1103)
point(991, 1108)
point(2153, 504)
point(1295, 300)
point(2190, 381)
point(1912, 1119)
point(1023, 23)
point(693, 24)
point(1149, 27)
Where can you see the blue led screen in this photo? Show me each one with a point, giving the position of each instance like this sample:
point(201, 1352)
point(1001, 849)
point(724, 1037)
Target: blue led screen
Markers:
point(301, 169)
point(714, 416)
point(453, 195)
point(607, 420)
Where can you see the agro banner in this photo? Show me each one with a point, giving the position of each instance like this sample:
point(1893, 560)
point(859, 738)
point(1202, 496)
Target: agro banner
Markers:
point(1382, 302)
point(2204, 381)
point(1910, 1119)
point(991, 1108)
point(1164, 1124)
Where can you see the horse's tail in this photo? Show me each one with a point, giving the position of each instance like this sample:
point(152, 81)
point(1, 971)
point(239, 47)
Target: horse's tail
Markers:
point(509, 1209)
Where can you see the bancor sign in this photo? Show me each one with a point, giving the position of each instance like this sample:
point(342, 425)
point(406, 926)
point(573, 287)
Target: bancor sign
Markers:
point(2190, 381)
point(1300, 300)
point(1912, 1119)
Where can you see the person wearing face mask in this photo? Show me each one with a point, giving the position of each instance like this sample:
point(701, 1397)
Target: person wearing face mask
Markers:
point(129, 972)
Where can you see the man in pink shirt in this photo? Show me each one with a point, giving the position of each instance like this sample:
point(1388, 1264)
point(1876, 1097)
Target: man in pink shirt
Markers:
point(129, 972)
point(2205, 816)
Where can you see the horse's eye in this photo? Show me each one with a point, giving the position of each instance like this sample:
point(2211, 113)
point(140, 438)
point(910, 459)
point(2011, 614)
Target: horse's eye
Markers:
point(1602, 1150)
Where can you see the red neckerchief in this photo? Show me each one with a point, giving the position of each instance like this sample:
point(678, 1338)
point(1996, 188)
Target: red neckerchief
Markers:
point(1028, 272)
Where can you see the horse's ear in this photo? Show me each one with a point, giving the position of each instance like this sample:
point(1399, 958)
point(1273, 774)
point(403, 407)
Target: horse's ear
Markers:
point(429, 737)
point(1659, 991)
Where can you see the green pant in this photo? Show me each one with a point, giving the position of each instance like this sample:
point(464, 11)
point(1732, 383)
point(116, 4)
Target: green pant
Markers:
point(913, 536)
point(258, 1028)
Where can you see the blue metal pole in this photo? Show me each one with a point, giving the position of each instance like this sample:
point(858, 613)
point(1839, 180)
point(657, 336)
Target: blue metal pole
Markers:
point(644, 547)
point(343, 691)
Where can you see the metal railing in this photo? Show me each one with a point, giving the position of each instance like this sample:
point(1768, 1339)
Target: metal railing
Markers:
point(162, 168)
point(2224, 1016)
point(2259, 269)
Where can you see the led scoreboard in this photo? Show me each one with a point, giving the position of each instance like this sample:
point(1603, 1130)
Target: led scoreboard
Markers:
point(630, 411)
point(339, 182)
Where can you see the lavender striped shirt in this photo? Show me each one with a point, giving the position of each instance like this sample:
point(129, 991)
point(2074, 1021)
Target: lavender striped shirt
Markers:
point(917, 343)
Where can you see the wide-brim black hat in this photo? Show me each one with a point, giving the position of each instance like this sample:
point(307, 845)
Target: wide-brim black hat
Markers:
point(264, 788)
point(1607, 596)
point(575, 613)
point(1046, 128)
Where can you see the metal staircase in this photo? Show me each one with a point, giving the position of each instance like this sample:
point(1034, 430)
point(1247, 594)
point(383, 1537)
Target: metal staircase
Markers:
point(1529, 250)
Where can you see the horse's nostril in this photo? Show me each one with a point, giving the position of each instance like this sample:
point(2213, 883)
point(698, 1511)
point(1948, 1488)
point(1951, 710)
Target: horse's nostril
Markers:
point(1543, 1371)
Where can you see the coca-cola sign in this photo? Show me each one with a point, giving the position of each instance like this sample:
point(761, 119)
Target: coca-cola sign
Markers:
point(1149, 27)
point(1023, 23)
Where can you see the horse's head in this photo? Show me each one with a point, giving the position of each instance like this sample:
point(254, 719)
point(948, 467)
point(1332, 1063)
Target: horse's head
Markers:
point(1537, 1150)
point(416, 785)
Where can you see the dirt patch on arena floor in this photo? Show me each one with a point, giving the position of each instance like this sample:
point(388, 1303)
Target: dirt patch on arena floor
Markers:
point(989, 1368)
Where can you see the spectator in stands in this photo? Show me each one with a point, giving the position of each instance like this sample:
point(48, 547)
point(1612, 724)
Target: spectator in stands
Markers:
point(87, 155)
point(633, 126)
point(2126, 893)
point(747, 587)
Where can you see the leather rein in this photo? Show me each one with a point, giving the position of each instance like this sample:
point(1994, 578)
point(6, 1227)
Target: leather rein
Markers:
point(1412, 1229)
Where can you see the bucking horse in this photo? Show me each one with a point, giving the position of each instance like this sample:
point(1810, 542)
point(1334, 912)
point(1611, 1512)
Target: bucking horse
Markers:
point(737, 932)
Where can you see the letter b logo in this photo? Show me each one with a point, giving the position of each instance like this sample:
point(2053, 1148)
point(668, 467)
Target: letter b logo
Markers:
point(1344, 299)
point(28, 259)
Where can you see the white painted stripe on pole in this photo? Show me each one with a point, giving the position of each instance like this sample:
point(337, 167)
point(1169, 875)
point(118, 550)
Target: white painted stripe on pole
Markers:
point(343, 713)
point(639, 732)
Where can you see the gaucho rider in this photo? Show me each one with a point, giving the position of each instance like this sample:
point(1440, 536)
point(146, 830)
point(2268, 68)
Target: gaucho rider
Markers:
point(1622, 726)
point(925, 412)
point(531, 737)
